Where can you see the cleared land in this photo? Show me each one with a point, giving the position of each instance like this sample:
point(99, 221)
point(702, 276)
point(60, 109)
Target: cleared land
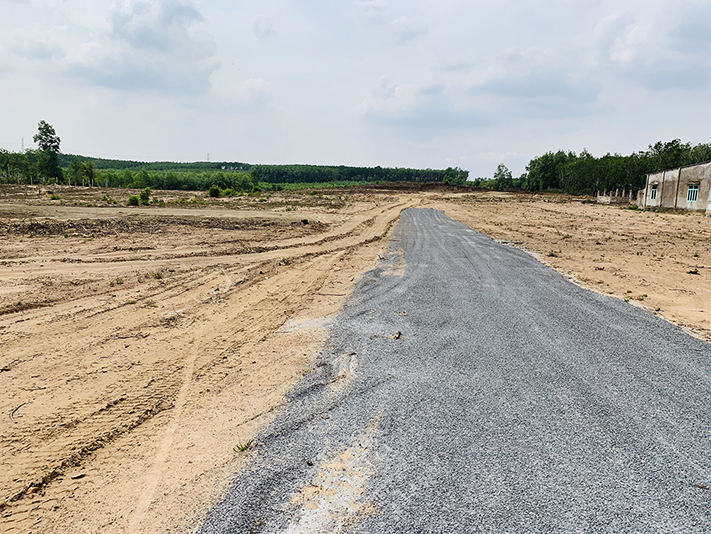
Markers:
point(141, 347)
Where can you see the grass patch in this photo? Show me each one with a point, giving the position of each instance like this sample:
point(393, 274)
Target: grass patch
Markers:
point(242, 447)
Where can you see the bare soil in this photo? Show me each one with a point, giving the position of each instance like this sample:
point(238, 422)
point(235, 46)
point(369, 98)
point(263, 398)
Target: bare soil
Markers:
point(142, 348)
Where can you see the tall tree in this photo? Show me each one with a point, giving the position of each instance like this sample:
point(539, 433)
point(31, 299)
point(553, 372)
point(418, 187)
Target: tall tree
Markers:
point(502, 177)
point(48, 142)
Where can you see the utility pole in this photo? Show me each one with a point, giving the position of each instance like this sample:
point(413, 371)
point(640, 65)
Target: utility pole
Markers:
point(208, 157)
point(23, 145)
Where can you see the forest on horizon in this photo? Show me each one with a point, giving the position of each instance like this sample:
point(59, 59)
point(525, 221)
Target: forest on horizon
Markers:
point(561, 171)
point(585, 174)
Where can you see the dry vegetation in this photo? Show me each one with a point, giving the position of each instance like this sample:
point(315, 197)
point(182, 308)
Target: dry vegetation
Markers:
point(142, 346)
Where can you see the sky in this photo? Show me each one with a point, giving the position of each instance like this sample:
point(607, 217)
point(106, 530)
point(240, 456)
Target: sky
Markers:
point(397, 83)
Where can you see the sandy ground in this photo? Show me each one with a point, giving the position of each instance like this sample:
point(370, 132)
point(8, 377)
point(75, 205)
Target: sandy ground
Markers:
point(143, 347)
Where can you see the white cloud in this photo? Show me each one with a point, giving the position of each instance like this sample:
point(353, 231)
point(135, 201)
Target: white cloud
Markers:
point(456, 63)
point(617, 37)
point(369, 11)
point(406, 30)
point(693, 32)
point(36, 43)
point(263, 27)
point(162, 46)
point(420, 110)
point(545, 83)
point(668, 50)
point(253, 94)
point(390, 101)
point(387, 21)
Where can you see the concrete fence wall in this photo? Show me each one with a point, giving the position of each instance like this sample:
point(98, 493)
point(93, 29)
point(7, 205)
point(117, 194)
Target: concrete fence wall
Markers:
point(615, 197)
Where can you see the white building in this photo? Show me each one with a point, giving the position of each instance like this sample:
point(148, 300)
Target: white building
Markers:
point(685, 188)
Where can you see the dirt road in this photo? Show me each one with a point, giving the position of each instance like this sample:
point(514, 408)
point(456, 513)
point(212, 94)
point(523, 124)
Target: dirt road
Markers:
point(141, 347)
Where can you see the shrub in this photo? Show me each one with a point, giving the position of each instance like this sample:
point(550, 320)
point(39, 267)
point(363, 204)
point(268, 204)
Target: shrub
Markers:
point(133, 200)
point(146, 196)
point(214, 191)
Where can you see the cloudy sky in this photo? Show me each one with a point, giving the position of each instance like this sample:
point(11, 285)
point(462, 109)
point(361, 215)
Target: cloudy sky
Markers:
point(406, 83)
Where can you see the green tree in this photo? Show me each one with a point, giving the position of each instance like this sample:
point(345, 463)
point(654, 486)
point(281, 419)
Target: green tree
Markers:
point(18, 165)
point(545, 172)
point(81, 171)
point(669, 155)
point(48, 157)
point(32, 165)
point(5, 164)
point(502, 177)
point(455, 176)
point(141, 180)
point(46, 138)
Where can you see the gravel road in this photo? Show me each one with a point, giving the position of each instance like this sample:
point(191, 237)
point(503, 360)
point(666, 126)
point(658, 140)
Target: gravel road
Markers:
point(468, 388)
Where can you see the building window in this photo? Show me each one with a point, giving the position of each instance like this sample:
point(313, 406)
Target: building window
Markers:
point(693, 193)
point(654, 192)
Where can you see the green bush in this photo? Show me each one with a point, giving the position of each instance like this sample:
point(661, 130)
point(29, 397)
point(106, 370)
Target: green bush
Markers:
point(214, 191)
point(133, 200)
point(146, 196)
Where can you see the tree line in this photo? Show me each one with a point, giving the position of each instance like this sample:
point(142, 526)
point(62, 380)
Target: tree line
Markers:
point(65, 160)
point(585, 174)
point(48, 165)
point(34, 166)
point(279, 174)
